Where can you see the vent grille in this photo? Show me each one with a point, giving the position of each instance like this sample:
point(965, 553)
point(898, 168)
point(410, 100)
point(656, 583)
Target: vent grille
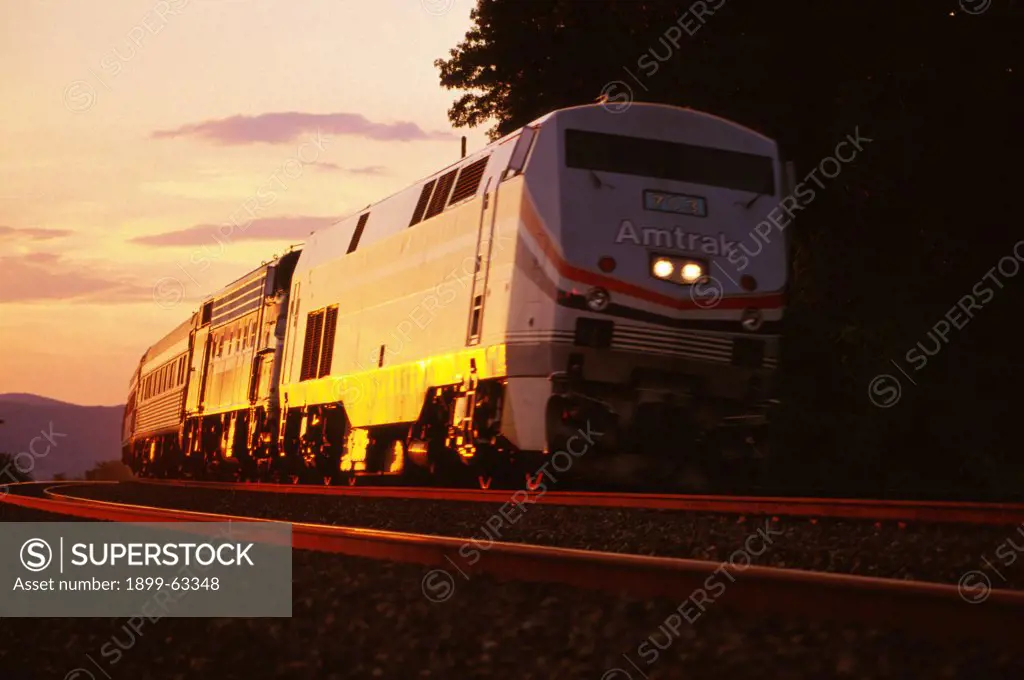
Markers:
point(421, 204)
point(311, 346)
point(358, 233)
point(469, 180)
point(440, 198)
point(330, 324)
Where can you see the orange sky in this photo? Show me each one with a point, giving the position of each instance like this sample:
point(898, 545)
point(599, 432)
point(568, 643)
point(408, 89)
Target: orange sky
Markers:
point(134, 132)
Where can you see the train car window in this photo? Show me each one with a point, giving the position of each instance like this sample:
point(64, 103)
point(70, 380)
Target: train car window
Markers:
point(517, 161)
point(669, 160)
point(469, 180)
point(207, 313)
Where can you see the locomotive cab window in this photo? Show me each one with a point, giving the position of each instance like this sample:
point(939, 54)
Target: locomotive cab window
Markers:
point(669, 160)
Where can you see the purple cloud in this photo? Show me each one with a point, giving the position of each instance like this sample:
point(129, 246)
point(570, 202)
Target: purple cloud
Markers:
point(45, 276)
point(290, 228)
point(364, 170)
point(274, 128)
point(33, 233)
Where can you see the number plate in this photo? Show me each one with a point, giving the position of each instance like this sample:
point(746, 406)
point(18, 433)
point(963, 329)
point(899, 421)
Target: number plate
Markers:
point(681, 204)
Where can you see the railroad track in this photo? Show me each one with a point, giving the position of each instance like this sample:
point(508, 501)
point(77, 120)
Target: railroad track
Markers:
point(878, 510)
point(922, 608)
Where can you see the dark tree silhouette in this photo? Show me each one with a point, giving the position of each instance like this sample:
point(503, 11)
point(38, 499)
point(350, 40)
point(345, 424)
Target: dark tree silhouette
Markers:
point(9, 472)
point(884, 251)
point(109, 470)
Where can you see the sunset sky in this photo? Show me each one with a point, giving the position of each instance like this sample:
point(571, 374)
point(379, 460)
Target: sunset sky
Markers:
point(134, 130)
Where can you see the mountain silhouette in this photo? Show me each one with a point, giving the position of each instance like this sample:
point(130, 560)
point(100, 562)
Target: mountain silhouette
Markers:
point(81, 436)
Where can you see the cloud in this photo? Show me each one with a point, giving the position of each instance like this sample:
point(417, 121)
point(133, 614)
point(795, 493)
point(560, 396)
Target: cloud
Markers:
point(365, 170)
point(290, 228)
point(275, 128)
point(32, 233)
point(47, 277)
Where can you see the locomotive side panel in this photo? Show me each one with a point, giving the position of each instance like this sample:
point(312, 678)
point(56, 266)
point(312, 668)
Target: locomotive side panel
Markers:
point(400, 303)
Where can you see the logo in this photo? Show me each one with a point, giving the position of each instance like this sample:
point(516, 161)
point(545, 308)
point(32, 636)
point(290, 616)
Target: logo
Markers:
point(974, 587)
point(975, 6)
point(884, 391)
point(707, 292)
point(438, 586)
point(675, 239)
point(36, 554)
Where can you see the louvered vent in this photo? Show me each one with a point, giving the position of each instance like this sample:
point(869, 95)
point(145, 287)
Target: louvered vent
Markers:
point(469, 180)
point(311, 345)
point(440, 197)
point(421, 205)
point(330, 323)
point(358, 233)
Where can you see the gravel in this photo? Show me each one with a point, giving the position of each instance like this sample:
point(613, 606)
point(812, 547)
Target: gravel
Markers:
point(943, 553)
point(357, 618)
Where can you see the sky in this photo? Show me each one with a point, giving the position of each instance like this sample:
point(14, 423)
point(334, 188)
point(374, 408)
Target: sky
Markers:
point(154, 151)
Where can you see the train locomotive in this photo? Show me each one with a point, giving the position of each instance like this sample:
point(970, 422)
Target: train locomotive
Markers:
point(573, 286)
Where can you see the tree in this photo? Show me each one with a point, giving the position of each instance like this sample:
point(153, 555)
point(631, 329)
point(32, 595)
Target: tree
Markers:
point(9, 471)
point(109, 470)
point(886, 250)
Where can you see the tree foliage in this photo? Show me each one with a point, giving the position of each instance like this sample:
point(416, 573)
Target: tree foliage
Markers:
point(109, 470)
point(9, 472)
point(887, 249)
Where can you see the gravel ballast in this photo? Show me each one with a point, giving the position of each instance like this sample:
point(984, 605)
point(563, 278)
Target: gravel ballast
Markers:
point(945, 553)
point(357, 618)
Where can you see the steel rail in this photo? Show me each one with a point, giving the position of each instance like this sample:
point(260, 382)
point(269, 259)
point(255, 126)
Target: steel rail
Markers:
point(833, 508)
point(932, 609)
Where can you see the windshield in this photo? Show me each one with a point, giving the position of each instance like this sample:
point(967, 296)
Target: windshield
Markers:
point(669, 160)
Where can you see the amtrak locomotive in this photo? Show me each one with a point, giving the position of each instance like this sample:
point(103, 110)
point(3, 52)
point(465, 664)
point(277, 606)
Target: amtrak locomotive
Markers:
point(570, 279)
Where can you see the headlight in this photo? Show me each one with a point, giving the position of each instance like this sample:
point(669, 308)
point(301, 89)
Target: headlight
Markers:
point(663, 268)
point(683, 270)
point(691, 271)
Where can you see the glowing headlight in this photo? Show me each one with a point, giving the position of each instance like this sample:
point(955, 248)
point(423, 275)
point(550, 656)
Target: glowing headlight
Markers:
point(598, 299)
point(678, 269)
point(691, 271)
point(663, 268)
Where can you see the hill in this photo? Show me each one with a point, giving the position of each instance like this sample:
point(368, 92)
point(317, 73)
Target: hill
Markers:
point(82, 436)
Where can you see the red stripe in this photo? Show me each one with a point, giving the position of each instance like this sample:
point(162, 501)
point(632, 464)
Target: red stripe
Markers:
point(552, 253)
